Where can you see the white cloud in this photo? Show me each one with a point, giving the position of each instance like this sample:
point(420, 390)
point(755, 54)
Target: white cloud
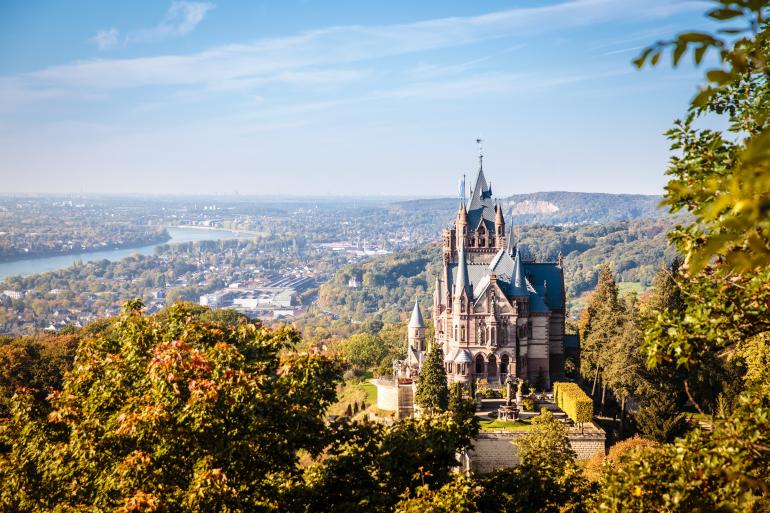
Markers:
point(106, 39)
point(180, 19)
point(318, 54)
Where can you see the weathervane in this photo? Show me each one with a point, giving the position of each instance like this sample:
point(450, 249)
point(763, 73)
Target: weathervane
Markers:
point(481, 151)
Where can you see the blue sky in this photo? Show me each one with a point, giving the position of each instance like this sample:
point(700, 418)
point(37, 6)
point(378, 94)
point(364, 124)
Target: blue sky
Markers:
point(336, 98)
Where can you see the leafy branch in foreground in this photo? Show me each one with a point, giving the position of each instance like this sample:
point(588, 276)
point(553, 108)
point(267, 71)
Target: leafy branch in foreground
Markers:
point(724, 181)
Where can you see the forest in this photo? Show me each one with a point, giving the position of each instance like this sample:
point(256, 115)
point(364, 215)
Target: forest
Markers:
point(390, 284)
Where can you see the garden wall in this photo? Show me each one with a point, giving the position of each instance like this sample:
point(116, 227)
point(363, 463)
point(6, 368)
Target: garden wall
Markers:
point(495, 449)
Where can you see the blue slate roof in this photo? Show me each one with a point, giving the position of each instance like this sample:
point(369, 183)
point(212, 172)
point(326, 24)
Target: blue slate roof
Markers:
point(550, 273)
point(481, 205)
point(541, 281)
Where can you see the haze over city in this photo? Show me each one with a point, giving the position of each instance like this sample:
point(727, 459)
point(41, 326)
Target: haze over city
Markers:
point(339, 98)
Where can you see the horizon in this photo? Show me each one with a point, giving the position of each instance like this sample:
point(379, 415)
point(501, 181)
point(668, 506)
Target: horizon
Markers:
point(343, 99)
point(278, 197)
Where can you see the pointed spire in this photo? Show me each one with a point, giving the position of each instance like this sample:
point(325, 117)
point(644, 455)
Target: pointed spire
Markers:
point(509, 243)
point(416, 321)
point(518, 275)
point(462, 274)
point(479, 191)
point(462, 213)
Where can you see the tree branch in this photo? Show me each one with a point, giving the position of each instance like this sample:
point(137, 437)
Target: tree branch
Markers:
point(692, 400)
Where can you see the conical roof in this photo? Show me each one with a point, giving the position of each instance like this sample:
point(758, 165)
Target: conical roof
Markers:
point(416, 321)
point(462, 274)
point(519, 285)
point(509, 243)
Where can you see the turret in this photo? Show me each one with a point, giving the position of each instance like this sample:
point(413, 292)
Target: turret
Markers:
point(417, 329)
point(461, 226)
point(462, 281)
point(416, 336)
point(499, 226)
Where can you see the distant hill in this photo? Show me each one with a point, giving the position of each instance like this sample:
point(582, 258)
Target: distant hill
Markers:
point(555, 207)
point(390, 284)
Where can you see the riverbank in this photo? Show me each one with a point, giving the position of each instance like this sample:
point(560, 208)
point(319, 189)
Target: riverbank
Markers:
point(162, 238)
point(177, 235)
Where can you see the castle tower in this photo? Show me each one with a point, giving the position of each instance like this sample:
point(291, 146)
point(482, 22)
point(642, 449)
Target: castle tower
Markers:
point(496, 313)
point(499, 227)
point(416, 337)
point(461, 227)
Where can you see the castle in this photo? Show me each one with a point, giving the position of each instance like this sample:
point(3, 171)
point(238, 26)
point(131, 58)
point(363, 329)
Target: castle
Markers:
point(494, 313)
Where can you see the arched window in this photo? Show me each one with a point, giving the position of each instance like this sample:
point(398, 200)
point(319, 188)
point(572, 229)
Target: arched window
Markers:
point(462, 334)
point(480, 364)
point(492, 366)
point(493, 335)
point(455, 337)
point(504, 364)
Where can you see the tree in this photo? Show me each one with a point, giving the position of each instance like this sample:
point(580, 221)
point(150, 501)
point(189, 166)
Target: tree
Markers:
point(366, 466)
point(546, 481)
point(546, 444)
point(36, 364)
point(599, 325)
point(177, 414)
point(660, 418)
point(624, 359)
point(432, 392)
point(366, 350)
point(723, 180)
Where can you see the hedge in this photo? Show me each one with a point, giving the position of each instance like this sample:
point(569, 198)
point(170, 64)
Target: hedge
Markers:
point(575, 403)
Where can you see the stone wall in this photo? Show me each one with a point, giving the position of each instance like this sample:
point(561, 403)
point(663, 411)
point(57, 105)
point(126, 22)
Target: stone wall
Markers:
point(387, 395)
point(398, 398)
point(495, 449)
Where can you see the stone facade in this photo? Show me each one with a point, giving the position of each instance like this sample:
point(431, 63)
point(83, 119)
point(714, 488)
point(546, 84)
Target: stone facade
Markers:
point(496, 449)
point(495, 313)
point(396, 396)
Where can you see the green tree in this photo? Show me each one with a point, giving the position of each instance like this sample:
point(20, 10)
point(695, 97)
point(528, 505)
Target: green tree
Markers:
point(723, 180)
point(367, 466)
point(601, 328)
point(546, 444)
point(432, 392)
point(172, 415)
point(624, 359)
point(546, 481)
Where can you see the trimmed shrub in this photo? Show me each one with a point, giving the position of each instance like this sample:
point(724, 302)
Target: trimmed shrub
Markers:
point(575, 403)
point(485, 391)
point(528, 404)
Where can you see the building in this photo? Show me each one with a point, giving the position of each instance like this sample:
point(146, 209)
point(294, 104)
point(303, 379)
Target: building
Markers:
point(277, 299)
point(495, 313)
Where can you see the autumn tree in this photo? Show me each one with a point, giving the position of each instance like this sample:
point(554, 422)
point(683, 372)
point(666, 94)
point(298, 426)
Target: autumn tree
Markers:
point(171, 414)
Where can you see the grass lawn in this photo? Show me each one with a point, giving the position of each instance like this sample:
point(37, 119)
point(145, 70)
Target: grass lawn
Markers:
point(371, 392)
point(520, 425)
point(624, 287)
point(354, 391)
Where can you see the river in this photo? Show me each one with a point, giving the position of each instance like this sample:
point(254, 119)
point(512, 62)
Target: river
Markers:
point(178, 235)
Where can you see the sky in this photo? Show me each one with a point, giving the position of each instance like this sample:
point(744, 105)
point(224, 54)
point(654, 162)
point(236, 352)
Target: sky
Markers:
point(336, 98)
